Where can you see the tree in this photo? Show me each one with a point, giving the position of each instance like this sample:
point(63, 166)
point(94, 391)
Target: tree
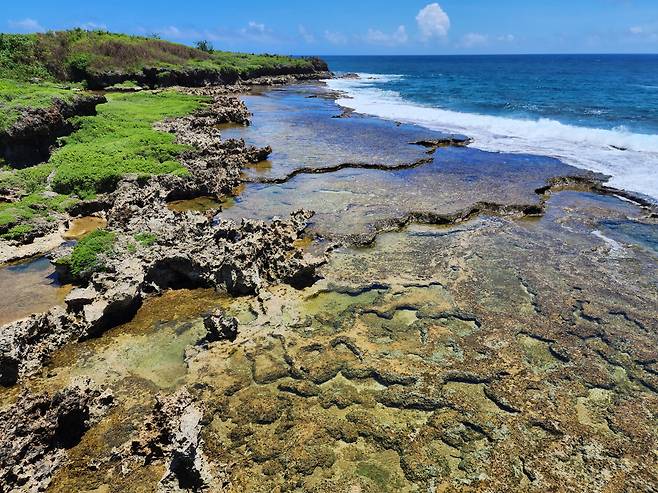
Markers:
point(204, 45)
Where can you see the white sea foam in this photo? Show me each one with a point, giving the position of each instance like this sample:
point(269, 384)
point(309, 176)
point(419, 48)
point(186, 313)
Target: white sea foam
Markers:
point(635, 168)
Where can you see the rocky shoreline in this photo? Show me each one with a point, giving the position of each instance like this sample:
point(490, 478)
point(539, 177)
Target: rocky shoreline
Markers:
point(353, 354)
point(189, 249)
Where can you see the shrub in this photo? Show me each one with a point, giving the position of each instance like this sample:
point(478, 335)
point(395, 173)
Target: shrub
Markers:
point(90, 253)
point(204, 45)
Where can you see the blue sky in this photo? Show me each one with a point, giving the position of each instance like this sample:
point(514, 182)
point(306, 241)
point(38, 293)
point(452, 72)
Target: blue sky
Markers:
point(363, 26)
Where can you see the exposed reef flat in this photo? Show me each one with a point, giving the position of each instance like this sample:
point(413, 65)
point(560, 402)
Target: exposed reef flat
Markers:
point(300, 127)
point(497, 333)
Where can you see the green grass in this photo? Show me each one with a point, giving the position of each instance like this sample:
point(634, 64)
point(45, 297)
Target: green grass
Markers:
point(89, 253)
point(146, 239)
point(15, 217)
point(120, 140)
point(15, 96)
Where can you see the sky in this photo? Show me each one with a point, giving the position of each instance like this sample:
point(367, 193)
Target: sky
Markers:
point(362, 27)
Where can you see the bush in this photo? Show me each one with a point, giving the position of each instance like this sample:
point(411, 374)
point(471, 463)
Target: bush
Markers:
point(89, 254)
point(120, 140)
point(146, 239)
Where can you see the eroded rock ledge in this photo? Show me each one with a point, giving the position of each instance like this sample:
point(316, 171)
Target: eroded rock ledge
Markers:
point(29, 141)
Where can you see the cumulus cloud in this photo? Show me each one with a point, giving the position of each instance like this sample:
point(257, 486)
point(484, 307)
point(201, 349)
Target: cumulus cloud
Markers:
point(397, 37)
point(306, 35)
point(336, 38)
point(27, 24)
point(506, 38)
point(636, 30)
point(433, 22)
point(473, 39)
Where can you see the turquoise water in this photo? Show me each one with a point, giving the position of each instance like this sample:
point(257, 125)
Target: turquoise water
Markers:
point(598, 112)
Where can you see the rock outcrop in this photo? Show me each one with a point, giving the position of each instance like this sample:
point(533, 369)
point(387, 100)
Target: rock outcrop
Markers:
point(188, 249)
point(220, 327)
point(199, 77)
point(38, 430)
point(171, 435)
point(29, 141)
point(25, 345)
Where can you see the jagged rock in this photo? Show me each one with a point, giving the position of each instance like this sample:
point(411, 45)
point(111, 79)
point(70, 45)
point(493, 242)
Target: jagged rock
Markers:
point(171, 435)
point(36, 432)
point(220, 327)
point(190, 249)
point(26, 345)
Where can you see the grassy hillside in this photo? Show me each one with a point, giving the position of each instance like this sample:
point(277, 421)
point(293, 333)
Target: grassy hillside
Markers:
point(79, 55)
point(37, 68)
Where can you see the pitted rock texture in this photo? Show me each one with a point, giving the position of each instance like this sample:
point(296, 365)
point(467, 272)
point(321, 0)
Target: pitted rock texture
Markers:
point(214, 164)
point(37, 431)
point(171, 435)
point(26, 345)
point(220, 327)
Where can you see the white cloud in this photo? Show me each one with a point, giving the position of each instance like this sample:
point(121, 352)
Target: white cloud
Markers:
point(473, 39)
point(255, 27)
point(92, 26)
point(27, 24)
point(636, 30)
point(336, 38)
point(173, 32)
point(257, 31)
point(506, 38)
point(433, 22)
point(397, 37)
point(306, 35)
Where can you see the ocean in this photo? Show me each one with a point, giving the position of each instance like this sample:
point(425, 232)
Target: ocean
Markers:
point(598, 112)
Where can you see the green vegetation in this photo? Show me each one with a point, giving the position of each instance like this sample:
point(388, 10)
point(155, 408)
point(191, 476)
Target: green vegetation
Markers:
point(89, 254)
point(146, 239)
point(15, 218)
point(78, 54)
point(118, 141)
point(204, 45)
point(15, 95)
point(128, 84)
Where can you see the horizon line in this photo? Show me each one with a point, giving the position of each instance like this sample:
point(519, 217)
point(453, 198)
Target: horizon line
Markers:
point(487, 54)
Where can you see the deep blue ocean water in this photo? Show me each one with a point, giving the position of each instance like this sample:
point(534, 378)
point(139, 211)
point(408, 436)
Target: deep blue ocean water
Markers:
point(594, 111)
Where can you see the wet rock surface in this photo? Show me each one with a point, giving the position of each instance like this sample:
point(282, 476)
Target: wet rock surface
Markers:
point(510, 348)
